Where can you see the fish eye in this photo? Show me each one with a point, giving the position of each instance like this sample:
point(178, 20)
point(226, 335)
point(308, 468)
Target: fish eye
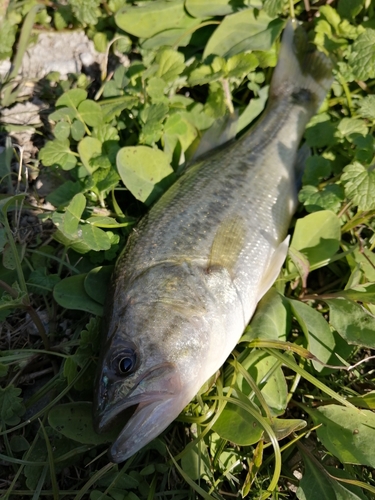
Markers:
point(125, 362)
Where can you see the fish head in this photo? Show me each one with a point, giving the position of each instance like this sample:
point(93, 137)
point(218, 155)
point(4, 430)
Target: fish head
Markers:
point(148, 367)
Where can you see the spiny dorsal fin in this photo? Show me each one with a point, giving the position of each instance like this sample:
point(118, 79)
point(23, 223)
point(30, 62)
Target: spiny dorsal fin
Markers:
point(221, 131)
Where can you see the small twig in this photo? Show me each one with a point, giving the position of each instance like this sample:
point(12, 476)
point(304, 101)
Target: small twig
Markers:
point(19, 178)
point(38, 323)
point(228, 95)
point(32, 376)
point(352, 367)
point(12, 292)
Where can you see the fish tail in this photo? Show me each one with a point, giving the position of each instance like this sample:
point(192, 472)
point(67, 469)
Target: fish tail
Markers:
point(302, 72)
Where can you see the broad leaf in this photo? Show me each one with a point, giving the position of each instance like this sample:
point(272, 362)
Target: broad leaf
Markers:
point(320, 340)
point(74, 420)
point(353, 322)
point(346, 433)
point(317, 236)
point(151, 17)
point(71, 294)
point(243, 31)
point(271, 320)
point(146, 172)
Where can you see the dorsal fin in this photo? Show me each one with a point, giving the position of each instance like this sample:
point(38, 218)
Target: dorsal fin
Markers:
point(221, 131)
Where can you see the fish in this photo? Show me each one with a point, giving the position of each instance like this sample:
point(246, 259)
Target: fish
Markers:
point(192, 272)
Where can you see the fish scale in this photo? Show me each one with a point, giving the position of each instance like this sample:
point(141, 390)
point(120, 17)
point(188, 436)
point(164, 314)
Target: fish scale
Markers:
point(192, 272)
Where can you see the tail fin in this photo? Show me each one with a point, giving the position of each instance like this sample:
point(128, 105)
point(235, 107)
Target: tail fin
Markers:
point(301, 72)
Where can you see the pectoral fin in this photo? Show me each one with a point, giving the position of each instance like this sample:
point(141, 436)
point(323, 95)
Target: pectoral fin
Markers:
point(227, 245)
point(274, 267)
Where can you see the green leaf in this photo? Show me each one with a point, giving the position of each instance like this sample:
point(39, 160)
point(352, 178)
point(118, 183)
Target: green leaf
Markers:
point(63, 113)
point(62, 195)
point(97, 283)
point(349, 9)
point(349, 126)
point(170, 64)
point(316, 484)
point(360, 185)
point(71, 294)
point(3, 370)
point(273, 7)
point(238, 426)
point(73, 213)
point(146, 172)
point(284, 427)
point(321, 131)
point(109, 222)
point(7, 38)
point(346, 433)
point(331, 15)
point(207, 73)
point(177, 128)
point(9, 260)
point(363, 293)
point(152, 116)
point(10, 203)
point(19, 444)
point(11, 405)
point(301, 263)
point(150, 18)
point(175, 37)
point(240, 65)
point(89, 148)
point(77, 130)
point(215, 106)
point(363, 259)
point(74, 420)
point(330, 197)
point(366, 107)
point(243, 31)
point(86, 11)
point(317, 236)
point(154, 113)
point(266, 372)
point(62, 131)
point(317, 169)
point(44, 281)
point(195, 462)
point(91, 113)
point(71, 98)
point(106, 133)
point(202, 8)
point(58, 153)
point(113, 107)
point(362, 57)
point(320, 340)
point(352, 322)
point(366, 401)
point(95, 238)
point(155, 88)
point(271, 320)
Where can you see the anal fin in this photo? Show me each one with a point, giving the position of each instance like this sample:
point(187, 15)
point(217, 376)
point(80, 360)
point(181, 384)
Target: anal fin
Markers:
point(273, 268)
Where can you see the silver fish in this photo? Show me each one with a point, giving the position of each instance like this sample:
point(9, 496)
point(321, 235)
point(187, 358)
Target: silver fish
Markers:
point(193, 271)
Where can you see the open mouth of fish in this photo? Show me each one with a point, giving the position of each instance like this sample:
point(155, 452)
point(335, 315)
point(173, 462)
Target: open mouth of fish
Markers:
point(146, 412)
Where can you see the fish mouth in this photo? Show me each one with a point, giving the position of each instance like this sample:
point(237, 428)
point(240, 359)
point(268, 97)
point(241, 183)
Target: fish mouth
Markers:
point(147, 412)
